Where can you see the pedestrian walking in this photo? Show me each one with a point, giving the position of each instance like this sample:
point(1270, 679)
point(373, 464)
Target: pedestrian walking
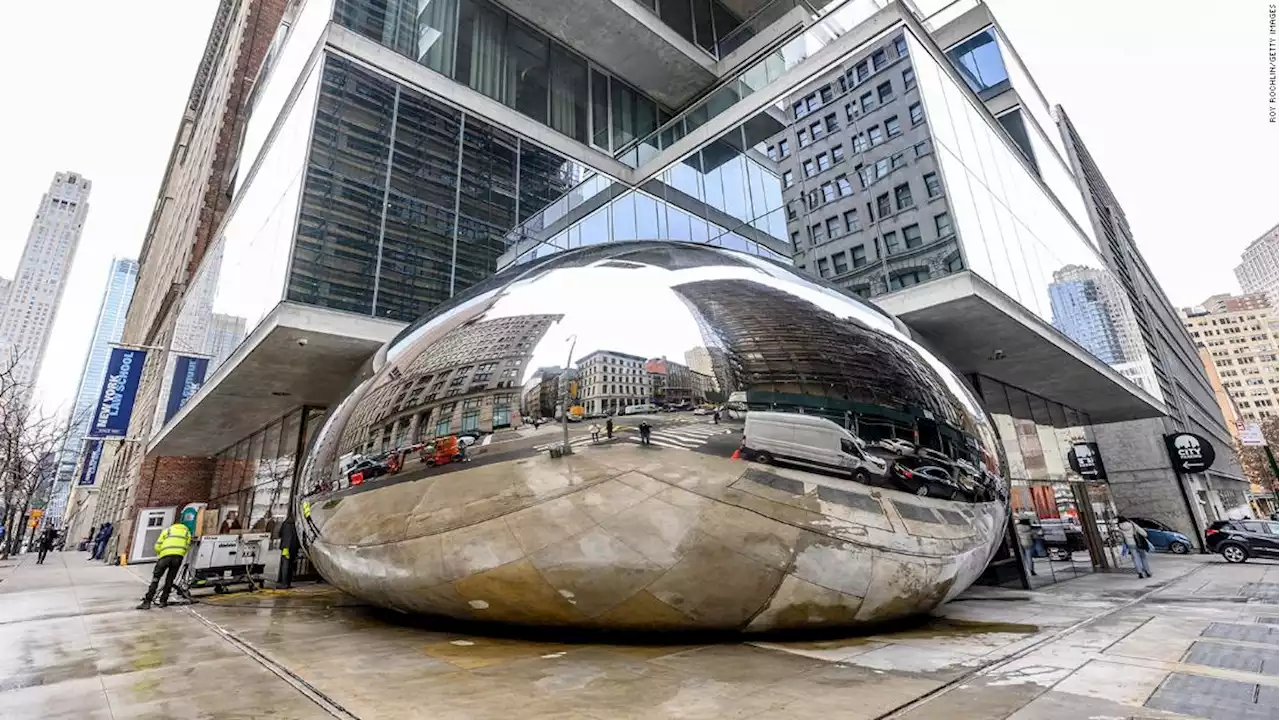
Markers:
point(644, 432)
point(595, 433)
point(47, 540)
point(1022, 529)
point(171, 547)
point(608, 428)
point(100, 542)
point(1138, 544)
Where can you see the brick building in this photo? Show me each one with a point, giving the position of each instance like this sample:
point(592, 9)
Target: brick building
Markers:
point(194, 196)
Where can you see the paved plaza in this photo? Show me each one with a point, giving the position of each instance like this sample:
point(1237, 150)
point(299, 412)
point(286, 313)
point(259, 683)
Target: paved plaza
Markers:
point(1197, 641)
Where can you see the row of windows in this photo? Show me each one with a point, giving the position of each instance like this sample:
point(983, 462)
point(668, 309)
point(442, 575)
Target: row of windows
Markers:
point(854, 77)
point(911, 238)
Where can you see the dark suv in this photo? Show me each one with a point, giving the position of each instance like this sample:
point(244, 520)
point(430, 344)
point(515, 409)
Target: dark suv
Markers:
point(1239, 540)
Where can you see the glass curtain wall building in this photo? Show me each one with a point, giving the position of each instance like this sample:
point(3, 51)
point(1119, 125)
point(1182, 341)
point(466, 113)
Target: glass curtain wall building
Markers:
point(115, 303)
point(398, 154)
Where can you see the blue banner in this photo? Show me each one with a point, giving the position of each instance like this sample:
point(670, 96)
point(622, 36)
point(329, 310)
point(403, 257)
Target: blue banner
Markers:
point(188, 376)
point(92, 454)
point(115, 403)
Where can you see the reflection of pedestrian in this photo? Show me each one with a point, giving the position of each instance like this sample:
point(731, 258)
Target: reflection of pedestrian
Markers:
point(231, 522)
point(595, 432)
point(100, 543)
point(1022, 529)
point(289, 547)
point(1037, 540)
point(715, 417)
point(608, 428)
point(644, 433)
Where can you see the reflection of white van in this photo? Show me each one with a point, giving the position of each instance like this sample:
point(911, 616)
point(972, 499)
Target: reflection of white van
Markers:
point(638, 409)
point(807, 440)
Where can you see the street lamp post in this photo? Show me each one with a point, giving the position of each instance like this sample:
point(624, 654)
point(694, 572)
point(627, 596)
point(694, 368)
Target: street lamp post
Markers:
point(564, 404)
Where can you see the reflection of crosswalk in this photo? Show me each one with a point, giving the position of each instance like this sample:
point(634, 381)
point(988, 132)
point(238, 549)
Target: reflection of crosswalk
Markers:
point(686, 437)
point(577, 442)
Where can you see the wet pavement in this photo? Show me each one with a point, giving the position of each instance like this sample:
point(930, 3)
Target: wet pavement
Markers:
point(1199, 640)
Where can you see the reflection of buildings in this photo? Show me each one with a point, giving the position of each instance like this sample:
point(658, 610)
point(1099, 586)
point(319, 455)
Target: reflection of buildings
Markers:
point(1257, 271)
point(115, 302)
point(467, 380)
point(541, 394)
point(612, 380)
point(222, 337)
point(785, 356)
point(672, 383)
point(1089, 307)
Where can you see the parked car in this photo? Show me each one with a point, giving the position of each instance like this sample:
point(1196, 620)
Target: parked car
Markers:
point(702, 411)
point(1163, 537)
point(1062, 538)
point(1239, 540)
point(925, 478)
point(809, 441)
point(899, 447)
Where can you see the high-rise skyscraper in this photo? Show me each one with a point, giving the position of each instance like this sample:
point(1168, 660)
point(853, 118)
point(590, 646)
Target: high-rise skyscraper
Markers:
point(27, 316)
point(115, 303)
point(1258, 271)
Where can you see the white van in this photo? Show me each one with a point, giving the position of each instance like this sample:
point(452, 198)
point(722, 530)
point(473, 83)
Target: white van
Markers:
point(809, 441)
point(640, 409)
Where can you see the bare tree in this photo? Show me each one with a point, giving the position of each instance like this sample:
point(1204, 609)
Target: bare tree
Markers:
point(30, 440)
point(1257, 466)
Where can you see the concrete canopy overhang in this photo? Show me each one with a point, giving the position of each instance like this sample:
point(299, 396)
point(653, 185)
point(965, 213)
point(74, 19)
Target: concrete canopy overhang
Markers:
point(630, 41)
point(979, 329)
point(272, 372)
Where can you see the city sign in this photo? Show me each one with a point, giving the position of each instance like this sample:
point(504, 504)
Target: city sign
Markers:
point(1087, 461)
point(119, 388)
point(92, 454)
point(188, 376)
point(1189, 453)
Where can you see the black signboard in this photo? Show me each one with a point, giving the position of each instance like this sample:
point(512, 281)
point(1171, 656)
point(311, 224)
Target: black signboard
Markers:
point(1087, 461)
point(1189, 453)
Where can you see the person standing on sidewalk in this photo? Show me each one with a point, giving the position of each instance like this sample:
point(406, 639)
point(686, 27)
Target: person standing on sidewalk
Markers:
point(289, 547)
point(100, 542)
point(1135, 538)
point(1025, 543)
point(608, 428)
point(171, 547)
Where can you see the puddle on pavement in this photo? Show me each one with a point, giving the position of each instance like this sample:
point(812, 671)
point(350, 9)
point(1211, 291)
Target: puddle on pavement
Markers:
point(918, 628)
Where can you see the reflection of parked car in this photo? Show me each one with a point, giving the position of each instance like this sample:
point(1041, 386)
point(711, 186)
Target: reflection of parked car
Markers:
point(924, 478)
point(702, 411)
point(1163, 537)
point(1239, 540)
point(366, 469)
point(1061, 538)
point(900, 447)
point(807, 440)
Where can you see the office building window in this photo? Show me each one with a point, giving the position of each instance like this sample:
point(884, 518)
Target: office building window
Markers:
point(791, 211)
point(840, 262)
point(851, 221)
point(832, 123)
point(833, 227)
point(772, 152)
point(784, 149)
point(879, 59)
point(788, 178)
point(875, 135)
point(884, 92)
point(891, 243)
point(923, 148)
point(902, 195)
point(917, 114)
point(896, 161)
point(860, 143)
point(816, 234)
point(979, 61)
point(824, 267)
point(931, 184)
point(808, 168)
point(843, 186)
point(824, 162)
point(882, 168)
point(795, 240)
point(893, 127)
point(863, 71)
point(800, 110)
point(817, 130)
point(859, 256)
point(883, 209)
point(867, 101)
point(908, 278)
point(826, 94)
point(803, 135)
point(909, 79)
point(837, 154)
point(942, 223)
point(900, 46)
point(911, 236)
point(828, 192)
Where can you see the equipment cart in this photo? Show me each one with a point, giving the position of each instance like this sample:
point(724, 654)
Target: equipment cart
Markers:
point(219, 561)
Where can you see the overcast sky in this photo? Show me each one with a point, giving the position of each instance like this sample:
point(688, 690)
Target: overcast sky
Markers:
point(1170, 96)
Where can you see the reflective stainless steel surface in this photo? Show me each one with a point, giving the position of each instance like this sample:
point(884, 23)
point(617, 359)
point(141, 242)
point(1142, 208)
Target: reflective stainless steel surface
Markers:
point(755, 451)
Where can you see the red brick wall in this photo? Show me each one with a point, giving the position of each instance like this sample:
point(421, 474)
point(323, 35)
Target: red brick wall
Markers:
point(174, 481)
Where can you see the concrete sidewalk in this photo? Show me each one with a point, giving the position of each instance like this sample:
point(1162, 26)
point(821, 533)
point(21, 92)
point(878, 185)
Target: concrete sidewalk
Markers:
point(1190, 643)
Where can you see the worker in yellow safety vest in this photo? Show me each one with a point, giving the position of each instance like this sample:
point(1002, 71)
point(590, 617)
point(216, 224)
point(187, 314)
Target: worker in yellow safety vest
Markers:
point(171, 547)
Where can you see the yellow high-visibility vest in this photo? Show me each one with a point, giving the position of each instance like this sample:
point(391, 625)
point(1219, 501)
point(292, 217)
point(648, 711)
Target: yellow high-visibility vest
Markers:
point(174, 540)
